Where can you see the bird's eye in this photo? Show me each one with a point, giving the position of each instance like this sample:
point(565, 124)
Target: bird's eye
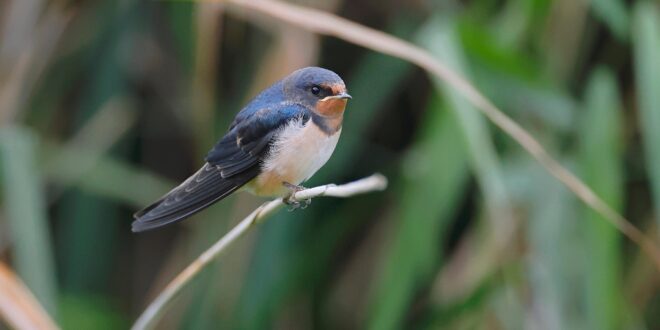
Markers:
point(316, 90)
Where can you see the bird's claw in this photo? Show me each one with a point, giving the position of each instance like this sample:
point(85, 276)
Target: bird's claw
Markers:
point(294, 205)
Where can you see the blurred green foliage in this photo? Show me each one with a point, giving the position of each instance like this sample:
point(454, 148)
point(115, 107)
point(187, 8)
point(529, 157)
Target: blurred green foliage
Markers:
point(106, 104)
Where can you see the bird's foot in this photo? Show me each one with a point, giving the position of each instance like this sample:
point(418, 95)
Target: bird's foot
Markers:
point(294, 205)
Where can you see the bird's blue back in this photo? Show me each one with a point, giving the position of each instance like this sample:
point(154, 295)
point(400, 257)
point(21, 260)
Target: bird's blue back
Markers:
point(272, 98)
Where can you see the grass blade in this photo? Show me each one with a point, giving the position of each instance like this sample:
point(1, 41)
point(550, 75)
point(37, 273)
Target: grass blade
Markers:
point(107, 176)
point(423, 216)
point(27, 214)
point(440, 37)
point(553, 269)
point(600, 162)
point(647, 70)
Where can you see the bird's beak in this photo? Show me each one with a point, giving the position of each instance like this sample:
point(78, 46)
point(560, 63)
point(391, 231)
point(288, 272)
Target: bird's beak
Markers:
point(344, 95)
point(340, 96)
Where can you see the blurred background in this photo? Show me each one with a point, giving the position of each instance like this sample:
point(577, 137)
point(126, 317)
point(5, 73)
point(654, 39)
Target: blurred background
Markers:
point(106, 105)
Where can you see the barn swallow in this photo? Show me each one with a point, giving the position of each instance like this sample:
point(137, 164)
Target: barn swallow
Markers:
point(275, 143)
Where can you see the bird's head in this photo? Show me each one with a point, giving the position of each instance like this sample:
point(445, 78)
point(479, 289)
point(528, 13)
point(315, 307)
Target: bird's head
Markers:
point(319, 89)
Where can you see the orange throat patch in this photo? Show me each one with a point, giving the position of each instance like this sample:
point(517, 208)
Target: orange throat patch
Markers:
point(332, 111)
point(331, 108)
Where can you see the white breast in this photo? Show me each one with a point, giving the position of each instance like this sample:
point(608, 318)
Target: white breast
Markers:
point(298, 151)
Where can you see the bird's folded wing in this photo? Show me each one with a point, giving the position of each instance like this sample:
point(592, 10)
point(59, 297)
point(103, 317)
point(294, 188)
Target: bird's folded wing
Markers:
point(232, 163)
point(195, 194)
point(247, 143)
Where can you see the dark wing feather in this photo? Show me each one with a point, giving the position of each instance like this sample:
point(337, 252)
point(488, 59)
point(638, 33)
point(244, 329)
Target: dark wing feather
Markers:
point(247, 143)
point(195, 194)
point(232, 163)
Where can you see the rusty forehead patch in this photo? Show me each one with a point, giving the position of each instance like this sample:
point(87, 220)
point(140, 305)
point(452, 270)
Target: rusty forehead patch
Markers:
point(336, 88)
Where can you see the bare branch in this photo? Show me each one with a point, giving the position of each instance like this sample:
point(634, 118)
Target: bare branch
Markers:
point(153, 312)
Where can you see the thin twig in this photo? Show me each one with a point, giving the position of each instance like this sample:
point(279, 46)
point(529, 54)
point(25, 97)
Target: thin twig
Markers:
point(332, 25)
point(153, 312)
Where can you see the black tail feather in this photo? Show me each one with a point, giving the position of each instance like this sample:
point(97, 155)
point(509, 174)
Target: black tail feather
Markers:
point(198, 192)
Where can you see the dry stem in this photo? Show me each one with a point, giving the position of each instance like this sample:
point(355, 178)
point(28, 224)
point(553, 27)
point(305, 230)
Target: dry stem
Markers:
point(332, 25)
point(18, 306)
point(153, 312)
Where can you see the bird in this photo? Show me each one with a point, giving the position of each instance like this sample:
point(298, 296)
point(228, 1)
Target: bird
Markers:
point(279, 140)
